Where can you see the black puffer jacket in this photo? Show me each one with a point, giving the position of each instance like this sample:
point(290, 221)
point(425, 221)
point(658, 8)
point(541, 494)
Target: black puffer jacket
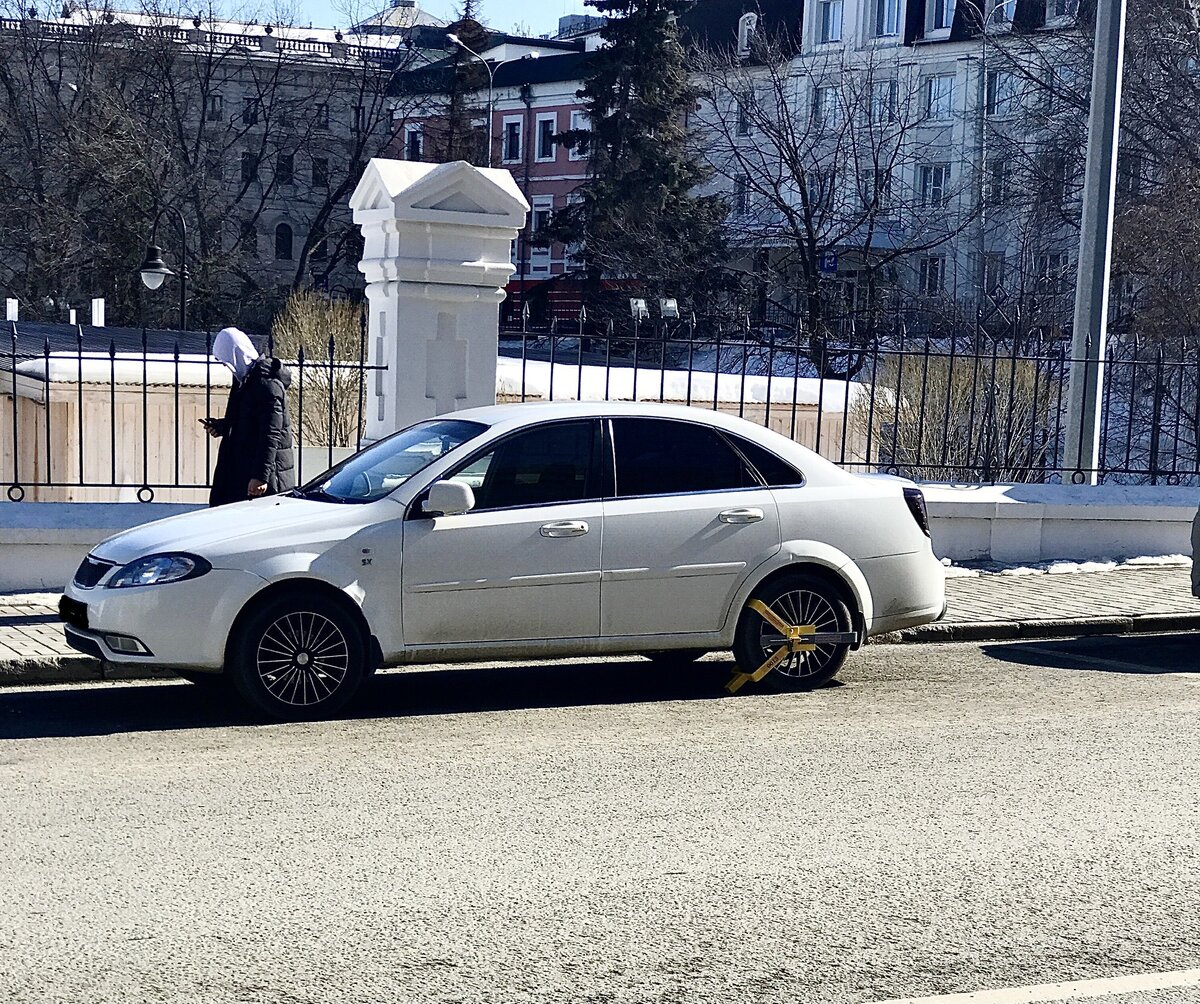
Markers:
point(256, 435)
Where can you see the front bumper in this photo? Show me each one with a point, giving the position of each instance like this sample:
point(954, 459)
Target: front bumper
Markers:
point(181, 625)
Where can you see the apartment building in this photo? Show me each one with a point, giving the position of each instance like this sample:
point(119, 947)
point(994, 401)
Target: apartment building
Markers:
point(931, 149)
point(255, 132)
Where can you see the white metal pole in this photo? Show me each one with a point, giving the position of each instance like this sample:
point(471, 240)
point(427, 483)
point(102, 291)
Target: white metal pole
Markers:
point(1081, 458)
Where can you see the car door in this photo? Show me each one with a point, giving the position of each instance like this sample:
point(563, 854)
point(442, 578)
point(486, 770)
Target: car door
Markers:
point(687, 522)
point(524, 564)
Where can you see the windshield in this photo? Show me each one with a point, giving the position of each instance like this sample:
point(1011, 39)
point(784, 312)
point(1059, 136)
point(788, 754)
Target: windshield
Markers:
point(382, 467)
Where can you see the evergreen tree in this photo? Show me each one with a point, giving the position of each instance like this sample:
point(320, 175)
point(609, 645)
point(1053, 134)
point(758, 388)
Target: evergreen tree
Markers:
point(637, 222)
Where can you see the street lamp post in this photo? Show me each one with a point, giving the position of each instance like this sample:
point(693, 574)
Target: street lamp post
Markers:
point(154, 270)
point(491, 72)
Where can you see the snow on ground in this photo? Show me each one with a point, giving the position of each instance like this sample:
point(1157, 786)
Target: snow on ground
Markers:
point(954, 571)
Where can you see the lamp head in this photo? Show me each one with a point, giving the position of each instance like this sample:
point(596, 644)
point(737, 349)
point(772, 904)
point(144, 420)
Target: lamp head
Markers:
point(154, 270)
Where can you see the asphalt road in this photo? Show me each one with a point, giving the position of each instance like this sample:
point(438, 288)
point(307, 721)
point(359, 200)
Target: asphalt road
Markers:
point(949, 818)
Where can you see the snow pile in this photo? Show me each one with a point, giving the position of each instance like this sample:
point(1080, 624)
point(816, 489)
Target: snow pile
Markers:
point(1066, 567)
point(570, 382)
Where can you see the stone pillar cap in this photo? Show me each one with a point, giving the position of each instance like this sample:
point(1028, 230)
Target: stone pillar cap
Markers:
point(456, 193)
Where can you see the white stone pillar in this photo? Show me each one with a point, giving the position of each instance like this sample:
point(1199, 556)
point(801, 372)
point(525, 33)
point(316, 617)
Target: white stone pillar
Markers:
point(437, 240)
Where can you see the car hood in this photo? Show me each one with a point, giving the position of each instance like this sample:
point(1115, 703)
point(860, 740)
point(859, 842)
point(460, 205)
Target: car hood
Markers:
point(215, 533)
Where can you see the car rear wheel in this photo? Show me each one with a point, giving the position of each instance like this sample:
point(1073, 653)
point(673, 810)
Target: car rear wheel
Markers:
point(802, 600)
point(298, 657)
point(675, 658)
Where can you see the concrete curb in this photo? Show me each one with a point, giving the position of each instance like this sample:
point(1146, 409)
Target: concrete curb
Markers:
point(72, 669)
point(1047, 628)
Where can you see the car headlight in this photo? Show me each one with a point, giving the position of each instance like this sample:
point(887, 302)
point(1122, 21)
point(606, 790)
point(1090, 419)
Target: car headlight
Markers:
point(155, 569)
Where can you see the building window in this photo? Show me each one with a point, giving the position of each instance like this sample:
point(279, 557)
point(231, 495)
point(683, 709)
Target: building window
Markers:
point(320, 172)
point(885, 100)
point(321, 116)
point(939, 97)
point(747, 26)
point(831, 20)
point(360, 118)
point(998, 180)
point(940, 15)
point(1063, 8)
point(931, 277)
point(413, 141)
point(825, 106)
point(249, 167)
point(283, 242)
point(1130, 175)
point(213, 106)
point(819, 185)
point(215, 169)
point(934, 180)
point(579, 123)
point(1054, 180)
point(541, 213)
point(887, 18)
point(284, 169)
point(875, 188)
point(1000, 98)
point(745, 109)
point(993, 272)
point(1052, 269)
point(741, 194)
point(512, 140)
point(547, 127)
point(250, 110)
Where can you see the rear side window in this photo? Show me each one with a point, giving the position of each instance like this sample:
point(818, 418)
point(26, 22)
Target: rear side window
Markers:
point(541, 466)
point(775, 471)
point(662, 457)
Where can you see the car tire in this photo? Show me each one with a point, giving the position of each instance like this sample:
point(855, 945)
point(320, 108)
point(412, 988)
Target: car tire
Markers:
point(798, 599)
point(298, 657)
point(675, 658)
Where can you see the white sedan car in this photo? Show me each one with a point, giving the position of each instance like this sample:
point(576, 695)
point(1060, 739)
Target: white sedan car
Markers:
point(517, 532)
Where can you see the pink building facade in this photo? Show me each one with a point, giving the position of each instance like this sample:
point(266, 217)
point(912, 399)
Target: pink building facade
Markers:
point(534, 100)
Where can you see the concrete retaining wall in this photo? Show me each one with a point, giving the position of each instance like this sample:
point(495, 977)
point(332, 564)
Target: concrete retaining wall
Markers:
point(1019, 524)
point(42, 543)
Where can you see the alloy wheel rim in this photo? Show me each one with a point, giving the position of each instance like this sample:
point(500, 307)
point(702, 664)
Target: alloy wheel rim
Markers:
point(302, 658)
point(800, 606)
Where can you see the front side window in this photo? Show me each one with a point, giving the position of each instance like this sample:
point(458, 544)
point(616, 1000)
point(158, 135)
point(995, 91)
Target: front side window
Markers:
point(383, 467)
point(545, 465)
point(662, 457)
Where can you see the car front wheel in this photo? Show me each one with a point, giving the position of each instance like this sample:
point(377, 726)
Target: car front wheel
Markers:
point(798, 600)
point(298, 657)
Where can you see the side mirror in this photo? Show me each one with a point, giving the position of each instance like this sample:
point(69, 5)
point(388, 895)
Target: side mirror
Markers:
point(449, 498)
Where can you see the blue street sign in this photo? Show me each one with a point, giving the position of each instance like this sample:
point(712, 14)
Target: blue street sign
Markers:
point(828, 261)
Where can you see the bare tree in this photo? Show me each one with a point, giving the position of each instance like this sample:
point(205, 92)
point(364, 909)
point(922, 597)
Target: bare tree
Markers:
point(843, 153)
point(256, 137)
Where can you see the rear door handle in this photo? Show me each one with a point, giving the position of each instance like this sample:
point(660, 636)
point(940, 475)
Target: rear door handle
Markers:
point(567, 528)
point(741, 516)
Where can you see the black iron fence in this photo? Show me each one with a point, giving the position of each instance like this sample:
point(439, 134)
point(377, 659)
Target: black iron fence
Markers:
point(961, 408)
point(114, 414)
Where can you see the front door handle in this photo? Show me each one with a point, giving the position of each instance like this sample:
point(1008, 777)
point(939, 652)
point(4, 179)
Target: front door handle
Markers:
point(567, 528)
point(741, 516)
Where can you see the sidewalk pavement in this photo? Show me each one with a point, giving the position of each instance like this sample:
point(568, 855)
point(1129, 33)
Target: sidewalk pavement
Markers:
point(1061, 600)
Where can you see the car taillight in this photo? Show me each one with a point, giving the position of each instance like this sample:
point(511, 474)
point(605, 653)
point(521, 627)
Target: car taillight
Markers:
point(916, 505)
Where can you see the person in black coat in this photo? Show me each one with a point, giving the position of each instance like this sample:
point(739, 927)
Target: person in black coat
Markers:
point(256, 456)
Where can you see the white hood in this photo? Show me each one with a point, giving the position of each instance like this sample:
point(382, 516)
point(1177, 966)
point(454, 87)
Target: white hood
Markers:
point(215, 533)
point(233, 347)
